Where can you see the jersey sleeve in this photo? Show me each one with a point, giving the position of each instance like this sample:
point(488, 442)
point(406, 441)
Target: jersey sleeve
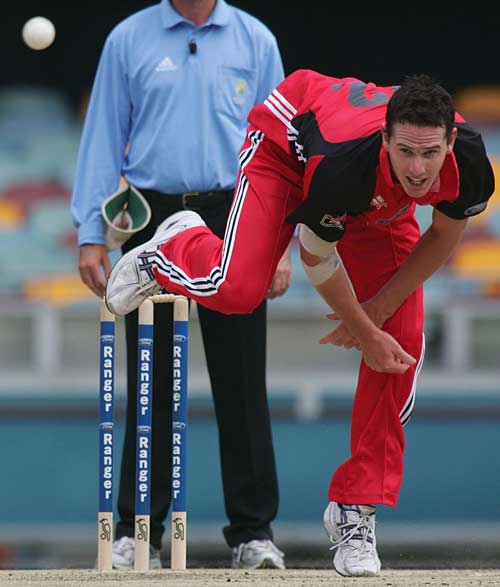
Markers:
point(276, 114)
point(477, 182)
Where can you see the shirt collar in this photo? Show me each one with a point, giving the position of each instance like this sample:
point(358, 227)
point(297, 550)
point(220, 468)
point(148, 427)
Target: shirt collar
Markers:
point(448, 179)
point(171, 18)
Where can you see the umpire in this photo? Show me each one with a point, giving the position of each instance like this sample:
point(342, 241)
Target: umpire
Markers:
point(168, 111)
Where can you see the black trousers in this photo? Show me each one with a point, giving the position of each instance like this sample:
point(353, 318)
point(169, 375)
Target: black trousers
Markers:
point(235, 350)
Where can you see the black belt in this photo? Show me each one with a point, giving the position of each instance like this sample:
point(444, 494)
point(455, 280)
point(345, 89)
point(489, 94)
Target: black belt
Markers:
point(188, 200)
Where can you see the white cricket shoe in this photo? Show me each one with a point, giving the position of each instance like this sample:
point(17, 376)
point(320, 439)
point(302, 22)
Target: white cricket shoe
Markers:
point(258, 554)
point(124, 555)
point(351, 528)
point(132, 280)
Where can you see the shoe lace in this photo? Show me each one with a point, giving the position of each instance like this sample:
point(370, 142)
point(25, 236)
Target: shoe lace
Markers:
point(364, 527)
point(257, 546)
point(156, 290)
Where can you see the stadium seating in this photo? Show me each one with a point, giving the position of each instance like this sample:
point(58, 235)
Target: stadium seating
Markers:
point(39, 138)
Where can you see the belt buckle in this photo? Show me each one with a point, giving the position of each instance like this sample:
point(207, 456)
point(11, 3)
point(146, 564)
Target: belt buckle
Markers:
point(184, 197)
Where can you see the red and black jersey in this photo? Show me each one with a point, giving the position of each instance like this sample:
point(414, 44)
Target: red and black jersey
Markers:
point(332, 126)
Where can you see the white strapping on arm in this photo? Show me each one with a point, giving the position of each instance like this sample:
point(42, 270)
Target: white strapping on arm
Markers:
point(325, 250)
point(315, 245)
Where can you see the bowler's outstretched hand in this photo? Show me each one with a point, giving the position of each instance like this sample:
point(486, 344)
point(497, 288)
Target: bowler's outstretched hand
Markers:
point(381, 352)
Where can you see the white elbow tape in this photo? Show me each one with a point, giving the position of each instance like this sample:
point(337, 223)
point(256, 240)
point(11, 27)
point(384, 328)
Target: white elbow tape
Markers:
point(319, 273)
point(313, 244)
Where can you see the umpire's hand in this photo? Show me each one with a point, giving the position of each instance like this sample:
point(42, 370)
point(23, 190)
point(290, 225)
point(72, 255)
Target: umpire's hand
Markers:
point(282, 277)
point(94, 267)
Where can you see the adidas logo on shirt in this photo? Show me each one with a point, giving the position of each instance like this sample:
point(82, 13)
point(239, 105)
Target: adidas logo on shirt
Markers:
point(378, 202)
point(166, 65)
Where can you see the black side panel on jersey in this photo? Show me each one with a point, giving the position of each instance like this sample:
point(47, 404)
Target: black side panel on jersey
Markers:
point(477, 182)
point(343, 183)
point(309, 137)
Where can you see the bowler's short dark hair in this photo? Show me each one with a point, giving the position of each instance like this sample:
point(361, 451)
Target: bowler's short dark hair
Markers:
point(422, 102)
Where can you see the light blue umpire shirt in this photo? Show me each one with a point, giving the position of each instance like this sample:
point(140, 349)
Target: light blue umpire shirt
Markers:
point(167, 117)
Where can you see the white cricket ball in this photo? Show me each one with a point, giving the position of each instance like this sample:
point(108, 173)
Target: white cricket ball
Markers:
point(38, 33)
